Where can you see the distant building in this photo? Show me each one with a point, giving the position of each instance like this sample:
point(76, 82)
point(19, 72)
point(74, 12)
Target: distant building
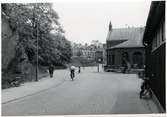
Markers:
point(124, 46)
point(97, 43)
point(154, 41)
point(75, 49)
point(86, 51)
point(92, 52)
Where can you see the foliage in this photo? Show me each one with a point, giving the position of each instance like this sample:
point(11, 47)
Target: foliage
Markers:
point(34, 23)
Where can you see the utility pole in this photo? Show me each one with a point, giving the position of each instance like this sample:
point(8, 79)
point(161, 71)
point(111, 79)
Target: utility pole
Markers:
point(36, 78)
point(37, 55)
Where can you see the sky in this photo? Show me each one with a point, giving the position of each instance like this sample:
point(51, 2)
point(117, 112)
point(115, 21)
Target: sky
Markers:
point(87, 21)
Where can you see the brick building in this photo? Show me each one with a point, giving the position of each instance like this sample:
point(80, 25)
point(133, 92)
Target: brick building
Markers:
point(124, 46)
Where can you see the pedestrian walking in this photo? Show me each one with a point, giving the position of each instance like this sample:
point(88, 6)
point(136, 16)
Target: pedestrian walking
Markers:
point(79, 69)
point(124, 66)
point(51, 69)
point(128, 67)
point(72, 72)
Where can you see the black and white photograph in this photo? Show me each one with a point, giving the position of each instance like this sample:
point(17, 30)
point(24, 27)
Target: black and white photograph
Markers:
point(71, 58)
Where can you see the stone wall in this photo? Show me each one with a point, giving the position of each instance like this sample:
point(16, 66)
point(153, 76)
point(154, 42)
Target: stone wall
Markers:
point(14, 59)
point(9, 38)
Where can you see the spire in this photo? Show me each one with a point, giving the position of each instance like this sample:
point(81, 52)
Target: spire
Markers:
point(110, 26)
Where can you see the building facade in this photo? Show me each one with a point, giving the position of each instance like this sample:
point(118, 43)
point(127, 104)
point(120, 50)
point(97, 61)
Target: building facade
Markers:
point(155, 42)
point(85, 51)
point(90, 52)
point(124, 47)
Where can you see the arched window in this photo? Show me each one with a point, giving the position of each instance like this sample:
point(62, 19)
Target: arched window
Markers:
point(125, 55)
point(125, 58)
point(137, 59)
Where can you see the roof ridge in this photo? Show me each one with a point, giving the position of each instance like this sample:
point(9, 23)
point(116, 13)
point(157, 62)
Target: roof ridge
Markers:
point(133, 37)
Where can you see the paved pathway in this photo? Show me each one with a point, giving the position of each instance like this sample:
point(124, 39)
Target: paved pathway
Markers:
point(90, 93)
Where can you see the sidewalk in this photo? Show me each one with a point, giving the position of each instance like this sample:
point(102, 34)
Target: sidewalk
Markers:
point(30, 88)
point(130, 103)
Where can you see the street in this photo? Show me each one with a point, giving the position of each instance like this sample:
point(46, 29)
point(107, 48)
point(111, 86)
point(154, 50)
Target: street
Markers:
point(91, 92)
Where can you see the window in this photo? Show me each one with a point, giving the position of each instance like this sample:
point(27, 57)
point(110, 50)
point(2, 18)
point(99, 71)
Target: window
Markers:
point(137, 58)
point(113, 59)
point(154, 43)
point(110, 59)
point(159, 37)
point(161, 33)
point(164, 36)
point(155, 38)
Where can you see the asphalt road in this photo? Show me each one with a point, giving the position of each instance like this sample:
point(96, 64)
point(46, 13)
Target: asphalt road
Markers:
point(90, 93)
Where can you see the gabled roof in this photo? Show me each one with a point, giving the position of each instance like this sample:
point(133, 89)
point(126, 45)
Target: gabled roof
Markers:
point(133, 37)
